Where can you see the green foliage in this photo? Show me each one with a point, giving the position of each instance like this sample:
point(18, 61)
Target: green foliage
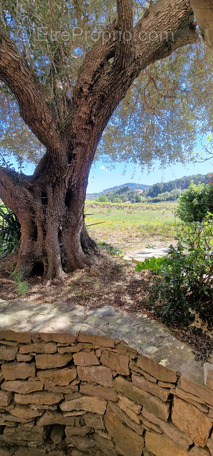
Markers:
point(10, 231)
point(174, 186)
point(103, 199)
point(185, 278)
point(111, 249)
point(168, 196)
point(195, 203)
point(163, 191)
point(153, 264)
point(121, 195)
point(174, 194)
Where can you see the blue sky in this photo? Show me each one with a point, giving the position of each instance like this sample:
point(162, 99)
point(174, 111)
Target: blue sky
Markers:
point(103, 177)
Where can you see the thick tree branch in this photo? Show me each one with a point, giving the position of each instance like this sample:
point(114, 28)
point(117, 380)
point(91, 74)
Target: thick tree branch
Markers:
point(125, 26)
point(20, 79)
point(125, 15)
point(100, 59)
point(102, 53)
point(203, 10)
point(41, 167)
point(13, 192)
point(165, 27)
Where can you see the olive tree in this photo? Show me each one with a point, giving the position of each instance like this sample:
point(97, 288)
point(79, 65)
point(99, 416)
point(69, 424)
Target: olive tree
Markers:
point(77, 77)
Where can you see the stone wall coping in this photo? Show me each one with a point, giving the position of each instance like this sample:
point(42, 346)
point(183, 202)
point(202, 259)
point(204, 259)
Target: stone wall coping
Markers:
point(21, 319)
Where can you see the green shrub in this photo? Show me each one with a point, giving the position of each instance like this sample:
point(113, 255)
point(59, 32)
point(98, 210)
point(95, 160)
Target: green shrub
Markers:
point(153, 264)
point(195, 203)
point(103, 199)
point(10, 231)
point(185, 278)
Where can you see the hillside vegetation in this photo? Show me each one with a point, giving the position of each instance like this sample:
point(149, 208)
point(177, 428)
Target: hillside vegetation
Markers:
point(122, 195)
point(182, 184)
point(132, 186)
point(139, 193)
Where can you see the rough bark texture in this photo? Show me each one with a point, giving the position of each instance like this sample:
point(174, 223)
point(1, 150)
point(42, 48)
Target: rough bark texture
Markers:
point(53, 234)
point(50, 204)
point(203, 10)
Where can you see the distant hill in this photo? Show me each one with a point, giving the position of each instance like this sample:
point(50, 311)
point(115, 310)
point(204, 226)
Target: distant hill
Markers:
point(183, 183)
point(128, 192)
point(132, 186)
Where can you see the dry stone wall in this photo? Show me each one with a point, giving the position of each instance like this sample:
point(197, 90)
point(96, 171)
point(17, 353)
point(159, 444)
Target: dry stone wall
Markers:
point(99, 397)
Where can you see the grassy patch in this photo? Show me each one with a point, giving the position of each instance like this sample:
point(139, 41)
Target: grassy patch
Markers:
point(125, 224)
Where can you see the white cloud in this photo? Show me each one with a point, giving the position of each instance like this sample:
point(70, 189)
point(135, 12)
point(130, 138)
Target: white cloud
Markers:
point(102, 167)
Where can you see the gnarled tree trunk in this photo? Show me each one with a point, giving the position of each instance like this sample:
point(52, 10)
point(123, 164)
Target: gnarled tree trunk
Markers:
point(53, 234)
point(50, 208)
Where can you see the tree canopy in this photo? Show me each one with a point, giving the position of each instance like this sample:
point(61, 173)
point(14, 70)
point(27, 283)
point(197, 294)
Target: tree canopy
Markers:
point(164, 111)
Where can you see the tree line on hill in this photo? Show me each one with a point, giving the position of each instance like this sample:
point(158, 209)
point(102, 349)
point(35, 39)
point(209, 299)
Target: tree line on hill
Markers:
point(183, 183)
point(168, 191)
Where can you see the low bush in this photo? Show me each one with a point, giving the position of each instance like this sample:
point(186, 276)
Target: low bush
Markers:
point(195, 203)
point(183, 281)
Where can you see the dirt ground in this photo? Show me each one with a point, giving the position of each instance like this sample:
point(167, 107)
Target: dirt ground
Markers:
point(113, 281)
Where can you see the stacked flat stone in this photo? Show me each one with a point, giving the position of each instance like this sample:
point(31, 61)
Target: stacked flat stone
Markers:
point(100, 397)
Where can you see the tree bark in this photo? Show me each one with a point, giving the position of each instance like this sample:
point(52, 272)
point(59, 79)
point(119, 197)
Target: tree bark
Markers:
point(50, 204)
point(203, 10)
point(54, 238)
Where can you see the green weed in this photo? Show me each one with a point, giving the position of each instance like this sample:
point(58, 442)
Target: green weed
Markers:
point(153, 264)
point(22, 285)
point(112, 250)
